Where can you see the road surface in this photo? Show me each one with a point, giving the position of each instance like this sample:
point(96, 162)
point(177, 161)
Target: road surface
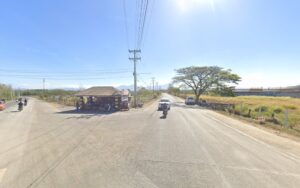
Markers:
point(46, 146)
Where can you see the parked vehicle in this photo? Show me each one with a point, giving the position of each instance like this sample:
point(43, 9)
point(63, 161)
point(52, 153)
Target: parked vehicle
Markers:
point(2, 106)
point(190, 101)
point(162, 102)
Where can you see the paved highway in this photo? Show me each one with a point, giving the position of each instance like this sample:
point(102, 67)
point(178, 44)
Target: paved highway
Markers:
point(47, 146)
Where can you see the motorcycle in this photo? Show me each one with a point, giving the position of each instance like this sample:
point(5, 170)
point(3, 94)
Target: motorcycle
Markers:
point(165, 113)
point(20, 106)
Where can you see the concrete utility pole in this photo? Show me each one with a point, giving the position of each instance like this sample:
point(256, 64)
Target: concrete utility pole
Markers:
point(44, 84)
point(153, 81)
point(135, 59)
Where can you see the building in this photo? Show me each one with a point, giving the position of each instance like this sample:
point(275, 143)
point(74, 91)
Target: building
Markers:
point(102, 98)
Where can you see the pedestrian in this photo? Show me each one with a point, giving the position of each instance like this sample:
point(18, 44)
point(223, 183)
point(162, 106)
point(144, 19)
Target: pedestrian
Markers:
point(77, 106)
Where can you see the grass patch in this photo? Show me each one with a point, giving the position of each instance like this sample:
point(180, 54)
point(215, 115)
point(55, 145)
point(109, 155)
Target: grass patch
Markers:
point(145, 96)
point(271, 109)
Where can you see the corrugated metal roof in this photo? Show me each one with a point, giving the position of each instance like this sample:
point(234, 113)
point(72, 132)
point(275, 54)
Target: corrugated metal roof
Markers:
point(99, 91)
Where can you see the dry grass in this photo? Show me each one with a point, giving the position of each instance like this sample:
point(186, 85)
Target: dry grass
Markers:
point(273, 109)
point(261, 106)
point(286, 102)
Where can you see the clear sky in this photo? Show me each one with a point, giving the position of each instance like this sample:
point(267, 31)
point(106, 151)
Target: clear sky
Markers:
point(70, 42)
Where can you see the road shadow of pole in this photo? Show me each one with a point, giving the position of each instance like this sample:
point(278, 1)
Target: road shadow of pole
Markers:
point(14, 111)
point(182, 105)
point(86, 114)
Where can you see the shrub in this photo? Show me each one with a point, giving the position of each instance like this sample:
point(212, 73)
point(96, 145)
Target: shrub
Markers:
point(262, 108)
point(290, 107)
point(277, 110)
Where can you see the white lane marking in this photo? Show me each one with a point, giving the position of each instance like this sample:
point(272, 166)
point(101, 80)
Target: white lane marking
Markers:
point(287, 155)
point(2, 172)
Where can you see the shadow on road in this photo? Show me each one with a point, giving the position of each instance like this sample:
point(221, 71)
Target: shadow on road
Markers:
point(14, 111)
point(182, 105)
point(84, 114)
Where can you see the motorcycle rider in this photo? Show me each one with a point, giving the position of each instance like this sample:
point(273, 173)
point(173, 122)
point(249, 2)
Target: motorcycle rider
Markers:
point(165, 110)
point(25, 102)
point(20, 105)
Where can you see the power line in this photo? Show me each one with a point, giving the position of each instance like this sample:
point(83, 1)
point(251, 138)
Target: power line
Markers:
point(60, 75)
point(60, 78)
point(126, 25)
point(140, 15)
point(147, 24)
point(136, 22)
point(116, 71)
point(143, 18)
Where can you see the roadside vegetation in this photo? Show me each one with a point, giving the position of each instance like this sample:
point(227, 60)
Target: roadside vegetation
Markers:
point(284, 111)
point(64, 97)
point(6, 92)
point(209, 87)
point(146, 96)
point(203, 79)
point(281, 113)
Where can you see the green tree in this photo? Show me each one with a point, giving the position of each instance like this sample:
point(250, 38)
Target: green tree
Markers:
point(223, 91)
point(201, 79)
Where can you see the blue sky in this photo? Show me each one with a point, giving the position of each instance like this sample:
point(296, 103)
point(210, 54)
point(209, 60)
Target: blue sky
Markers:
point(259, 40)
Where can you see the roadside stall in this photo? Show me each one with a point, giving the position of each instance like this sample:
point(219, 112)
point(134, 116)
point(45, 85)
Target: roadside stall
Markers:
point(101, 99)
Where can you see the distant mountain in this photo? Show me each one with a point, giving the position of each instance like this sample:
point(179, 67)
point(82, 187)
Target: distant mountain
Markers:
point(129, 87)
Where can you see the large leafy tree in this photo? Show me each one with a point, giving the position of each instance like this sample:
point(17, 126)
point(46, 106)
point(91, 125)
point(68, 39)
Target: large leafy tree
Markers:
point(201, 79)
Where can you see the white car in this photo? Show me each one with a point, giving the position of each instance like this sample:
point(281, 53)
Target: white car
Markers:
point(164, 101)
point(190, 101)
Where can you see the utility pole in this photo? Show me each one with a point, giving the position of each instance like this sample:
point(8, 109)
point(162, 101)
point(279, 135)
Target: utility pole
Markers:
point(153, 82)
point(44, 84)
point(157, 86)
point(135, 59)
point(11, 95)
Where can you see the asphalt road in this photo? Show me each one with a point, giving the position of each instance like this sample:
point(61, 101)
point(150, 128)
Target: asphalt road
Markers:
point(47, 146)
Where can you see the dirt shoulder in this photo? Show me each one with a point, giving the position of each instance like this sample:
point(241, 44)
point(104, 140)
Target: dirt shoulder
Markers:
point(272, 128)
point(286, 142)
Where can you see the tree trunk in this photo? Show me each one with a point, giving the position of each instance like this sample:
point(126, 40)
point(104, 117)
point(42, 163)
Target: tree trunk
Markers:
point(197, 98)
